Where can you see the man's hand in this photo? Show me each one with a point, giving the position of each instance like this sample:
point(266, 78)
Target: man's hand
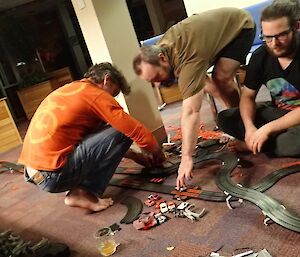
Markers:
point(157, 158)
point(184, 171)
point(138, 157)
point(146, 159)
point(257, 138)
point(249, 137)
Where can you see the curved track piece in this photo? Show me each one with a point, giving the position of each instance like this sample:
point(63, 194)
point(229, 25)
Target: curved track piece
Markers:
point(134, 209)
point(271, 208)
point(271, 179)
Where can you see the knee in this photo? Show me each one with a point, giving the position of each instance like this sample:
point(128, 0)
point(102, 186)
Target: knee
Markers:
point(222, 79)
point(284, 150)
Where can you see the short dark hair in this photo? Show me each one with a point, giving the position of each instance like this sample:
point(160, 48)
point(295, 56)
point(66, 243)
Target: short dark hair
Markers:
point(149, 54)
point(293, 4)
point(282, 8)
point(97, 73)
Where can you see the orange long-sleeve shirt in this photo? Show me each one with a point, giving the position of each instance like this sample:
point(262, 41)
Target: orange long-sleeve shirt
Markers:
point(70, 113)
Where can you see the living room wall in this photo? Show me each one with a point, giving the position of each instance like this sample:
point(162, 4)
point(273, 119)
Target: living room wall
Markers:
point(196, 6)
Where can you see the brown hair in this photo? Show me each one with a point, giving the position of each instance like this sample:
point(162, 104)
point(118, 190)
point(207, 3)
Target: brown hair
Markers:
point(282, 8)
point(97, 73)
point(149, 54)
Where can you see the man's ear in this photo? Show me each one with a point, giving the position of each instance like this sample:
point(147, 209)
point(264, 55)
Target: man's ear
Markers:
point(106, 79)
point(163, 57)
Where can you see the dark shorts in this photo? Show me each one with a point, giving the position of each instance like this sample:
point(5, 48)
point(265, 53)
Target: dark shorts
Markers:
point(239, 48)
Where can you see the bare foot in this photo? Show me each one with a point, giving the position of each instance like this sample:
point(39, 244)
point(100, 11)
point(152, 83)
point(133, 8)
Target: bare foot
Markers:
point(80, 198)
point(237, 146)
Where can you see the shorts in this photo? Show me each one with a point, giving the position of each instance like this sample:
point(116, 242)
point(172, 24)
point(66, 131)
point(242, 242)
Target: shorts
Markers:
point(239, 48)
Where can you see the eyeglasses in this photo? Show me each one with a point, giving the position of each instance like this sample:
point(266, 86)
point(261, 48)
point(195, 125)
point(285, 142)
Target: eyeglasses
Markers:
point(280, 37)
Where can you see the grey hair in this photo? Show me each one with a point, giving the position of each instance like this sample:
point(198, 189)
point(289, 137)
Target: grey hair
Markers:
point(97, 74)
point(149, 54)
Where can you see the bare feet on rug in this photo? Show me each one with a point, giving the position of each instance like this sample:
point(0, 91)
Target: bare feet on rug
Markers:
point(237, 146)
point(81, 198)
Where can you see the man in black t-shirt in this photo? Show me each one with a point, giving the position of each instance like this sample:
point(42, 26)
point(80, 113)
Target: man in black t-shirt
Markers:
point(270, 127)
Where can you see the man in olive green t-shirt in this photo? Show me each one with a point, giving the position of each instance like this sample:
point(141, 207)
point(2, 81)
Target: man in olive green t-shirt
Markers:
point(220, 37)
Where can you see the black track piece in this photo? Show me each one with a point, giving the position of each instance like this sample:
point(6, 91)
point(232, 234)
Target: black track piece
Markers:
point(208, 143)
point(151, 172)
point(134, 209)
point(137, 182)
point(270, 207)
point(159, 172)
point(53, 250)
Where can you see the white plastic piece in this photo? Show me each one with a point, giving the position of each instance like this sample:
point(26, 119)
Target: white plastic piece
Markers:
point(267, 221)
point(201, 214)
point(160, 218)
point(213, 254)
point(168, 144)
point(240, 199)
point(193, 215)
point(162, 106)
point(243, 254)
point(225, 192)
point(183, 188)
point(182, 206)
point(169, 138)
point(228, 202)
point(163, 207)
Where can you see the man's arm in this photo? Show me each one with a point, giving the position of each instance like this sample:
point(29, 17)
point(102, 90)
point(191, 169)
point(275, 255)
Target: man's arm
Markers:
point(290, 119)
point(190, 121)
point(255, 138)
point(111, 112)
point(248, 112)
point(248, 108)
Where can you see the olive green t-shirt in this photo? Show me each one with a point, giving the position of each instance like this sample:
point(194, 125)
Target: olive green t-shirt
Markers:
point(193, 44)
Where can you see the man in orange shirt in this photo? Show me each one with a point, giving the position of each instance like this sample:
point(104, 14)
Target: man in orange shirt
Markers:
point(78, 136)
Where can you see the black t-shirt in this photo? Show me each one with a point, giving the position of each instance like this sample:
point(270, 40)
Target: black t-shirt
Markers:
point(284, 85)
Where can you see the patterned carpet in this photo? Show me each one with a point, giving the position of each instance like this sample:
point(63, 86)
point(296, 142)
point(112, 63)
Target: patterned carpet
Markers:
point(35, 214)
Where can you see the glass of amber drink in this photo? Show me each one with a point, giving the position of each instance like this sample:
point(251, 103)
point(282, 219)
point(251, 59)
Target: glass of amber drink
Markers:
point(106, 242)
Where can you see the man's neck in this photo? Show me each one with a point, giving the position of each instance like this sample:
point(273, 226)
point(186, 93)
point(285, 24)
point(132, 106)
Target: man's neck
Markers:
point(285, 62)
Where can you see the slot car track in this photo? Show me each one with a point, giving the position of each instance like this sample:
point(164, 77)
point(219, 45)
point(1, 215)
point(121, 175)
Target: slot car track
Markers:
point(272, 209)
